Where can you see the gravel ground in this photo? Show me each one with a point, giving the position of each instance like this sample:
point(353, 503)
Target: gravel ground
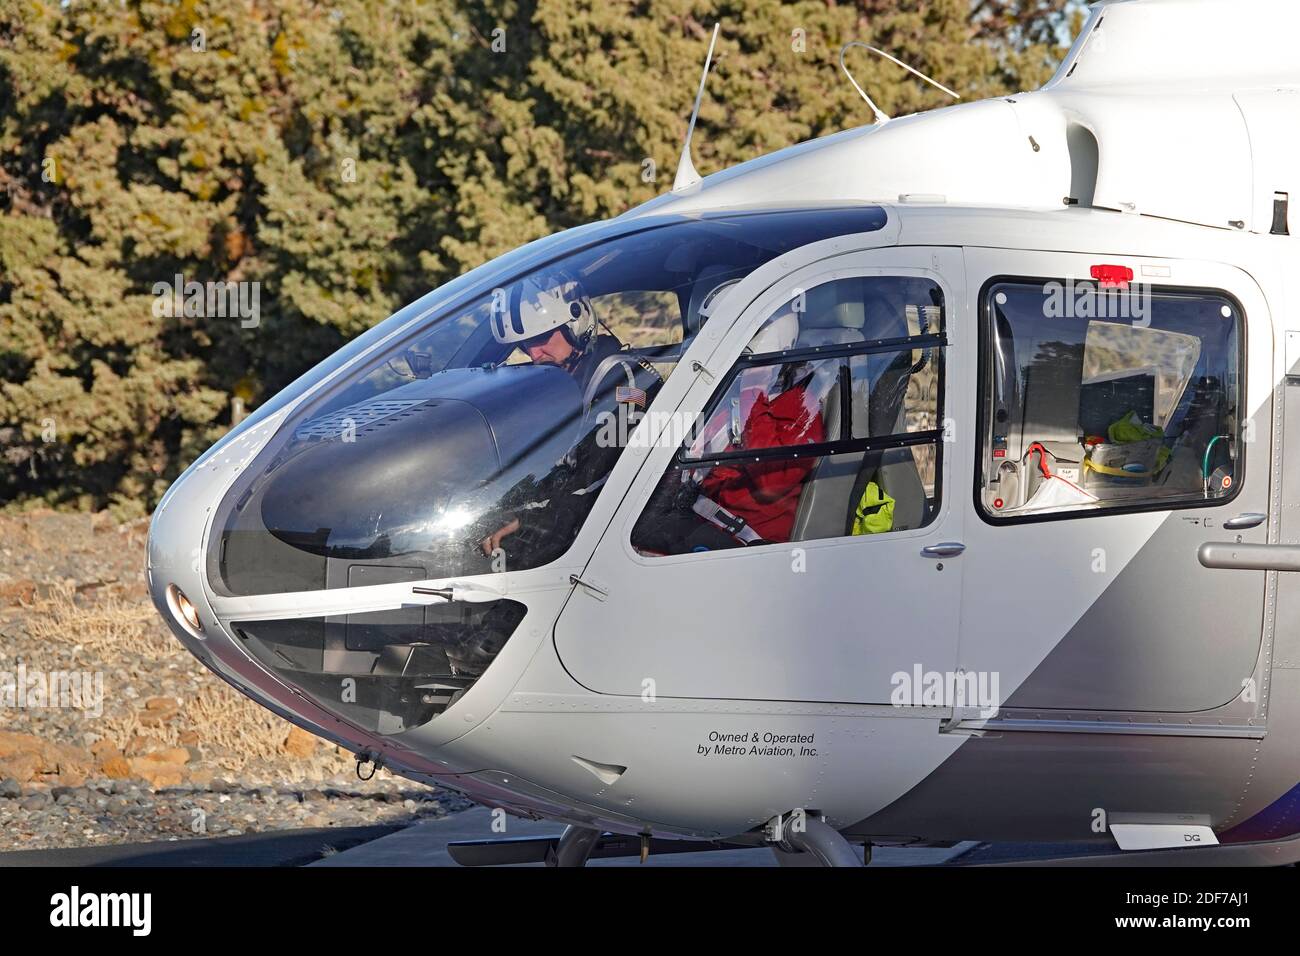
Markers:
point(168, 752)
point(104, 812)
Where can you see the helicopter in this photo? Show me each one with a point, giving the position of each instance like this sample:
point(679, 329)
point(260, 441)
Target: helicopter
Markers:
point(921, 483)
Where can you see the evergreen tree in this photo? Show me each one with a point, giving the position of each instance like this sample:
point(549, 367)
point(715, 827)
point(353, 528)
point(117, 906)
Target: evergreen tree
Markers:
point(347, 157)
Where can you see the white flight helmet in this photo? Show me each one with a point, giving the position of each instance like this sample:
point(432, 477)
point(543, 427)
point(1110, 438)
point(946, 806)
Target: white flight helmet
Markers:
point(777, 334)
point(541, 303)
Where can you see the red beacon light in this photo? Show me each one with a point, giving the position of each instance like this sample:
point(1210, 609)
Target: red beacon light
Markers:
point(1112, 277)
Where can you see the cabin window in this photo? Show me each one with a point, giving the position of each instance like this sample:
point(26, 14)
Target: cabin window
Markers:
point(827, 426)
point(1097, 399)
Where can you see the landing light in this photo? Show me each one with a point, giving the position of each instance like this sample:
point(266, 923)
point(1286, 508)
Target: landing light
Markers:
point(184, 611)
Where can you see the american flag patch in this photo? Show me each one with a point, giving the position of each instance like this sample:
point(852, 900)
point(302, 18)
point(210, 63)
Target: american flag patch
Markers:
point(626, 395)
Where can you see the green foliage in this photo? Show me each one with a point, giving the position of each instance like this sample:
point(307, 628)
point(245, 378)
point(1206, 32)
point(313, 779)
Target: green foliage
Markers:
point(348, 157)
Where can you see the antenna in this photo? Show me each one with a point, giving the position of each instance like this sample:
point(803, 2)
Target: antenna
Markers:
point(881, 117)
point(686, 174)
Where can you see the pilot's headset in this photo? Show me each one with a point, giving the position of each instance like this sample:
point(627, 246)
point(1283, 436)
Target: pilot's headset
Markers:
point(543, 302)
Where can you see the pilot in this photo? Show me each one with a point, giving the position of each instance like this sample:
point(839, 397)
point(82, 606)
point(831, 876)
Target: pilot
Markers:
point(550, 318)
point(733, 504)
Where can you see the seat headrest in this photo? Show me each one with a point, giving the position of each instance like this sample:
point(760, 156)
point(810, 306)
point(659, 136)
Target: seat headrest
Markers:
point(834, 305)
point(706, 283)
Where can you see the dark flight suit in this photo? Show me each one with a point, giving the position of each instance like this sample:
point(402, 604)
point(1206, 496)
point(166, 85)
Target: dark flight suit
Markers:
point(551, 510)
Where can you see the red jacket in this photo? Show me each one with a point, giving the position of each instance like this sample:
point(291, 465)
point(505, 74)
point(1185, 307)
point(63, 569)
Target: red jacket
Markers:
point(766, 493)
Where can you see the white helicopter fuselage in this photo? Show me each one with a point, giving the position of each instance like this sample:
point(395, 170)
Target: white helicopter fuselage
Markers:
point(1074, 627)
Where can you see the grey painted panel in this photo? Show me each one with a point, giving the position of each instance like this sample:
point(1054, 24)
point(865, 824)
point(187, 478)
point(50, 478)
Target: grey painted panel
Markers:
point(1043, 786)
point(1167, 635)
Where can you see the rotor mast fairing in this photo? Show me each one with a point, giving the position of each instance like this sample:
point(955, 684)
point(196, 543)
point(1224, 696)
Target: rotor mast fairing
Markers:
point(1179, 109)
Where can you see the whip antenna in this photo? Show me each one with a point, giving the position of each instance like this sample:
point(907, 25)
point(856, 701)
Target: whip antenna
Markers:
point(686, 174)
point(880, 116)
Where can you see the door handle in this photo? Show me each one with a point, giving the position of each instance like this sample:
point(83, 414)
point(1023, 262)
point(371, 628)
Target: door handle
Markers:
point(947, 549)
point(1249, 557)
point(1251, 519)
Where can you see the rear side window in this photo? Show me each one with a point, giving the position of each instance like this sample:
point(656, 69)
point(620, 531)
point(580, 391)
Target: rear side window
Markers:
point(1098, 399)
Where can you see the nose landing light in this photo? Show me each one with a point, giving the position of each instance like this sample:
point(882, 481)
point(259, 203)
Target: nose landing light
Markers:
point(183, 609)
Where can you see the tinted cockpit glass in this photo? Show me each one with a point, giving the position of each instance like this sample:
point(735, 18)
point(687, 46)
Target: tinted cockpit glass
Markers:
point(478, 439)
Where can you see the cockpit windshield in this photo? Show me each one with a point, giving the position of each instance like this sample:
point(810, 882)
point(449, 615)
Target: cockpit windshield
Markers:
point(476, 437)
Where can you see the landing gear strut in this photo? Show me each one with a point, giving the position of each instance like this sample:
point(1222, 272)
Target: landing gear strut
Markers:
point(801, 839)
point(574, 847)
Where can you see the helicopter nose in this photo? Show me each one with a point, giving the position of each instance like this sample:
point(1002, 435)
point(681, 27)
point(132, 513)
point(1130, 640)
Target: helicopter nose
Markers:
point(386, 661)
point(174, 562)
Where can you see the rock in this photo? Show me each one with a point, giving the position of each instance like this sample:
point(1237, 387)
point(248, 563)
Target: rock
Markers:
point(116, 768)
point(158, 773)
point(157, 711)
point(201, 778)
point(71, 776)
point(299, 743)
point(173, 755)
point(105, 748)
point(24, 757)
point(141, 744)
point(20, 767)
point(17, 591)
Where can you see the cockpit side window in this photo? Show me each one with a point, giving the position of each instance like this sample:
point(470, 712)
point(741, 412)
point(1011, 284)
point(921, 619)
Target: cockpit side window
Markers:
point(1099, 399)
point(827, 427)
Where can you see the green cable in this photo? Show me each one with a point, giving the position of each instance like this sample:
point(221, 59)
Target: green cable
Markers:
point(1205, 462)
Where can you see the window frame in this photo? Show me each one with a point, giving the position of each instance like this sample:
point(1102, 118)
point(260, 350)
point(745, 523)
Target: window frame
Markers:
point(983, 379)
point(936, 342)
